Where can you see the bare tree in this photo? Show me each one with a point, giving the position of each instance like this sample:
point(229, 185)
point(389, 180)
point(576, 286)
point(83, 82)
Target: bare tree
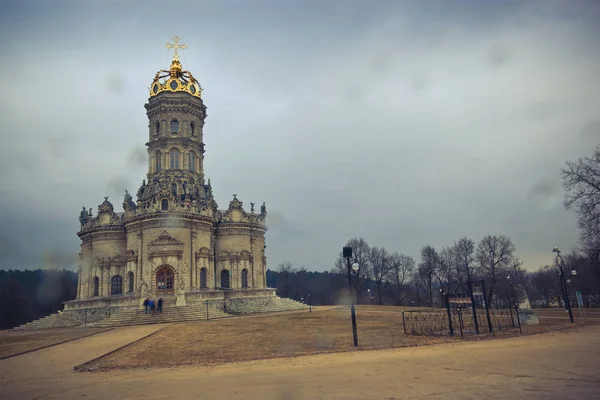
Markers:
point(581, 180)
point(427, 270)
point(402, 268)
point(547, 283)
point(446, 268)
point(465, 250)
point(361, 253)
point(494, 255)
point(381, 269)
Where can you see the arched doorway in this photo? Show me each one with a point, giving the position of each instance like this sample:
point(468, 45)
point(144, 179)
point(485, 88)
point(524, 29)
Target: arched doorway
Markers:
point(225, 279)
point(244, 278)
point(164, 280)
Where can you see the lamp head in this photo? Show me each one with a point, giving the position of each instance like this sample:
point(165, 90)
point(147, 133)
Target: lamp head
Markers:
point(556, 250)
point(355, 267)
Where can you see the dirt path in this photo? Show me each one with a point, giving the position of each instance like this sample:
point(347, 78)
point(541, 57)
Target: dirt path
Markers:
point(35, 372)
point(550, 366)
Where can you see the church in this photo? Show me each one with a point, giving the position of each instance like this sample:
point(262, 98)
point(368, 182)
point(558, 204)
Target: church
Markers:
point(172, 241)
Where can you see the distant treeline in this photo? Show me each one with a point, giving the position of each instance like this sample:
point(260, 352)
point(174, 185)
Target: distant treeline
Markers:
point(29, 295)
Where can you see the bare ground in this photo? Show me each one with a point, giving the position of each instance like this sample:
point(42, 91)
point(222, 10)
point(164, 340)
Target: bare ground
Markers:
point(17, 342)
point(557, 365)
point(282, 335)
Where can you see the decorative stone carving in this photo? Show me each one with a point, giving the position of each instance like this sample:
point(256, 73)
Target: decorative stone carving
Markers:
point(165, 245)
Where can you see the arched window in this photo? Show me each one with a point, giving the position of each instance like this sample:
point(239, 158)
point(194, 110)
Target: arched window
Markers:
point(164, 279)
point(157, 158)
point(174, 159)
point(225, 279)
point(174, 189)
point(244, 278)
point(96, 286)
point(192, 161)
point(192, 129)
point(116, 285)
point(130, 281)
point(174, 126)
point(157, 129)
point(164, 205)
point(203, 278)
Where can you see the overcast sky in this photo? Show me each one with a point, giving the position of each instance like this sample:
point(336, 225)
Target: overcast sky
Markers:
point(409, 123)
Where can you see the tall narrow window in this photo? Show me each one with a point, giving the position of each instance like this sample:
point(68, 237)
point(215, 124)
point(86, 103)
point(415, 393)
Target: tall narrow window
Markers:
point(96, 285)
point(192, 129)
point(244, 278)
point(174, 126)
point(192, 161)
point(225, 279)
point(174, 189)
point(157, 161)
point(157, 129)
point(164, 205)
point(203, 278)
point(116, 285)
point(130, 282)
point(174, 159)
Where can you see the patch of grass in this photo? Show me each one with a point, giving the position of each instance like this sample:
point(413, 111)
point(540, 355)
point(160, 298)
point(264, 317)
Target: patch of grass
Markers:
point(16, 342)
point(285, 335)
point(259, 337)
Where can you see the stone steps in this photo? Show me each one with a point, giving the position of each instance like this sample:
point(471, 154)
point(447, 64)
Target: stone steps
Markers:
point(169, 315)
point(57, 320)
point(277, 304)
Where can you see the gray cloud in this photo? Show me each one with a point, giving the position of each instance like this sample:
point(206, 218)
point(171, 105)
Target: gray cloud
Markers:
point(407, 123)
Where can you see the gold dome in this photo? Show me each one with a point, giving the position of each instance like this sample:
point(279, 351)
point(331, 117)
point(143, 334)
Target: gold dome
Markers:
point(176, 79)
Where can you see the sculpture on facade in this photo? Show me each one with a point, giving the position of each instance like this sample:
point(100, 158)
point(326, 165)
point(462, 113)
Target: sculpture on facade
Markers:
point(84, 217)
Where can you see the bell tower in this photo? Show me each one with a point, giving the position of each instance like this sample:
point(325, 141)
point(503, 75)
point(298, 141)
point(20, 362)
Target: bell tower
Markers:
point(176, 115)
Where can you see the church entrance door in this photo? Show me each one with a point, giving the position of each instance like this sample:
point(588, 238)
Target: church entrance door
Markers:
point(164, 280)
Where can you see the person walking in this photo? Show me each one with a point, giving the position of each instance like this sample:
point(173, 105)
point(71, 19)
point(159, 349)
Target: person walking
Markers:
point(160, 304)
point(146, 305)
point(151, 304)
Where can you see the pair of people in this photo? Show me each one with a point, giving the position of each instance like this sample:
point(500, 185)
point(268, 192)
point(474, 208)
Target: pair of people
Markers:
point(149, 305)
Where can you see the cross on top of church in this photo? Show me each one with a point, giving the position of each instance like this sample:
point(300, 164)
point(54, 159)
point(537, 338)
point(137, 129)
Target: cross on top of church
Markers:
point(176, 47)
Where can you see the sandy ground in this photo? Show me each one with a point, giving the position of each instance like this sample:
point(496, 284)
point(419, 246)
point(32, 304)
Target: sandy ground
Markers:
point(555, 365)
point(16, 342)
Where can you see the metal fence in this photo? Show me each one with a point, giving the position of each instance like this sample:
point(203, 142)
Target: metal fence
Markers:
point(464, 314)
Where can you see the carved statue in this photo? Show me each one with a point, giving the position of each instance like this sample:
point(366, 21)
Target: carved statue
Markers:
point(140, 191)
point(128, 204)
point(251, 207)
point(263, 209)
point(84, 216)
point(90, 211)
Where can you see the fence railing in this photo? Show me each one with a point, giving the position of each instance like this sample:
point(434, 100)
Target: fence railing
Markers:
point(459, 321)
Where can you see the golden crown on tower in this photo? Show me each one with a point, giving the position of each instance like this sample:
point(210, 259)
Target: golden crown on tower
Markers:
point(176, 79)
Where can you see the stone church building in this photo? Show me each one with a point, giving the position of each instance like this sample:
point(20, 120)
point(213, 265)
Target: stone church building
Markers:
point(172, 241)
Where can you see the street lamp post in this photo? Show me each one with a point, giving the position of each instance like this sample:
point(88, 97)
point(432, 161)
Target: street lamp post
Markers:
point(347, 253)
point(563, 283)
point(309, 304)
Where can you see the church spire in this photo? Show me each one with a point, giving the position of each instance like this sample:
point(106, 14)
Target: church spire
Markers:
point(176, 79)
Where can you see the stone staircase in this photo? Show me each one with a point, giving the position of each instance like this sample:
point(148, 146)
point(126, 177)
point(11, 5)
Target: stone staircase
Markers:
point(267, 305)
point(170, 314)
point(190, 313)
point(58, 320)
